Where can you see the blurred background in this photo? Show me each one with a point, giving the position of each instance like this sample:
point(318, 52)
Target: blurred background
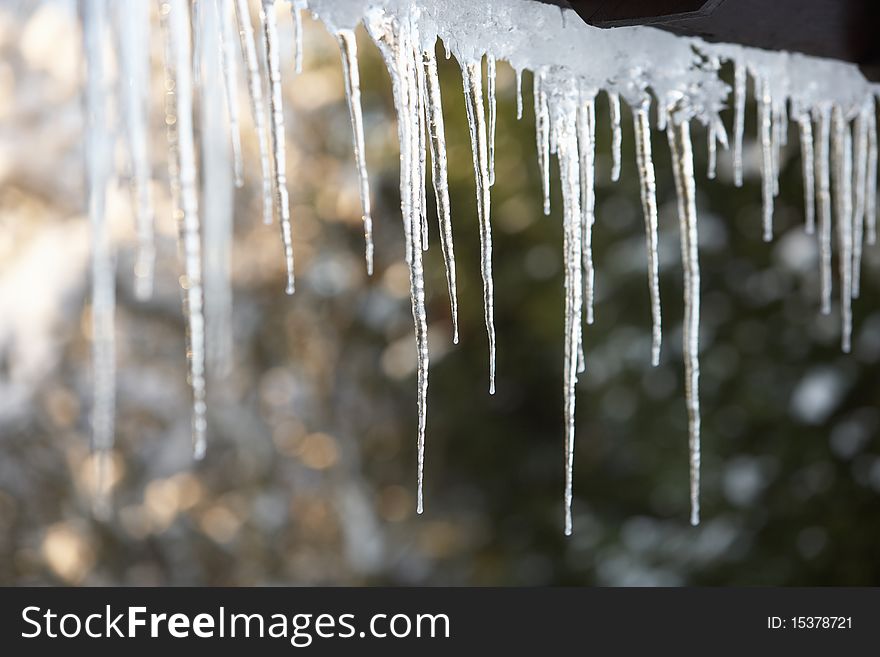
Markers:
point(310, 472)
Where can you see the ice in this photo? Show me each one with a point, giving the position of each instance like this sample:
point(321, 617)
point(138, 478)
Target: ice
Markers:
point(871, 178)
point(255, 94)
point(519, 102)
point(712, 148)
point(822, 150)
point(616, 133)
point(859, 181)
point(439, 173)
point(542, 135)
point(471, 76)
point(230, 80)
point(133, 39)
point(184, 192)
point(103, 270)
point(765, 126)
point(296, 9)
point(648, 187)
point(679, 138)
point(217, 194)
point(348, 48)
point(739, 108)
point(276, 131)
point(841, 173)
point(808, 166)
point(493, 111)
point(586, 127)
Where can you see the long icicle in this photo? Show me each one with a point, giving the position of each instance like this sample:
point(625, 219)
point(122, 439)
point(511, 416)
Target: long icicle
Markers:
point(419, 73)
point(133, 46)
point(230, 80)
point(439, 175)
point(182, 168)
point(255, 95)
point(822, 150)
point(98, 148)
point(739, 113)
point(217, 168)
point(871, 178)
point(841, 174)
point(586, 128)
point(542, 135)
point(396, 42)
point(712, 148)
point(348, 48)
point(473, 96)
point(276, 131)
point(616, 134)
point(683, 168)
point(808, 168)
point(860, 175)
point(493, 113)
point(765, 124)
point(564, 124)
point(648, 184)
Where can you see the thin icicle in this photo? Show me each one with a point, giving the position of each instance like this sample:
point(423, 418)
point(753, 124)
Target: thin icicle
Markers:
point(255, 93)
point(542, 133)
point(871, 179)
point(182, 169)
point(860, 175)
point(196, 23)
point(805, 129)
point(419, 73)
point(841, 174)
point(217, 194)
point(473, 96)
point(296, 8)
point(586, 129)
point(133, 46)
point(739, 114)
point(822, 150)
point(276, 130)
point(98, 149)
point(647, 182)
point(777, 140)
point(230, 79)
point(493, 113)
point(519, 102)
point(439, 174)
point(351, 75)
point(396, 41)
point(712, 145)
point(616, 134)
point(683, 168)
point(564, 121)
point(765, 124)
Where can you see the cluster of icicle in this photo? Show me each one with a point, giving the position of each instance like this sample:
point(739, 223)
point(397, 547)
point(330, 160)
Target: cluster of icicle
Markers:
point(571, 63)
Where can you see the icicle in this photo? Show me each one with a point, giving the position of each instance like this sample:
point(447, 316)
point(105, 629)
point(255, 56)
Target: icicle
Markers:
point(296, 7)
point(871, 179)
point(808, 170)
point(712, 140)
point(519, 102)
point(133, 46)
point(439, 175)
point(822, 117)
point(217, 193)
point(419, 73)
point(98, 150)
point(647, 181)
point(276, 130)
point(348, 48)
point(473, 96)
point(196, 23)
point(765, 104)
point(396, 42)
point(230, 78)
point(683, 167)
point(493, 111)
point(860, 160)
point(542, 130)
point(586, 129)
point(255, 93)
point(616, 135)
point(739, 108)
point(182, 169)
point(841, 174)
point(569, 169)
